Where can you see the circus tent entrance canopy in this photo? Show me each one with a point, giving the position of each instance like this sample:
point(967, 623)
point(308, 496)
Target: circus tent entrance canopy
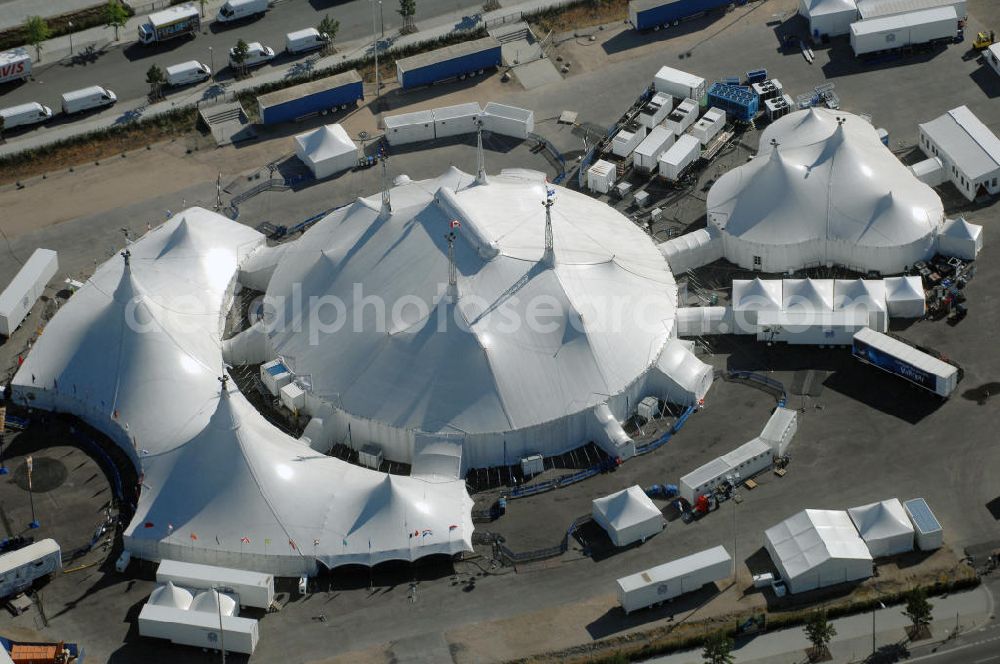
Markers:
point(628, 516)
point(326, 150)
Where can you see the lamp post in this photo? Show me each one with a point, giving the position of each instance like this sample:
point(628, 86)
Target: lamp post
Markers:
point(31, 495)
point(211, 60)
point(222, 640)
point(69, 24)
point(874, 609)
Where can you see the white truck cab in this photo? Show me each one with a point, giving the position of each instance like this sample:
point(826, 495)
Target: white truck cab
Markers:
point(24, 114)
point(257, 54)
point(302, 41)
point(234, 10)
point(85, 99)
point(187, 73)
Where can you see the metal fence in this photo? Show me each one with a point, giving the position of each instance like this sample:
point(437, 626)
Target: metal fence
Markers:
point(665, 438)
point(556, 155)
point(515, 557)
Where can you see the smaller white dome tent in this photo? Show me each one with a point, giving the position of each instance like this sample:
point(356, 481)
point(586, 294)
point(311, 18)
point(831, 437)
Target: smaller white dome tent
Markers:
point(884, 527)
point(904, 297)
point(961, 239)
point(829, 17)
point(170, 595)
point(628, 516)
point(214, 602)
point(326, 150)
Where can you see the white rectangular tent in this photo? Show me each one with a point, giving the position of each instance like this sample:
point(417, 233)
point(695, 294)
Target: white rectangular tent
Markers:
point(628, 516)
point(961, 239)
point(326, 150)
point(904, 297)
point(828, 17)
point(750, 297)
point(865, 294)
point(817, 548)
point(884, 527)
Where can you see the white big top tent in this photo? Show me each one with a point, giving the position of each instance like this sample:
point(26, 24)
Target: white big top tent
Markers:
point(817, 548)
point(884, 527)
point(628, 516)
point(326, 150)
point(136, 353)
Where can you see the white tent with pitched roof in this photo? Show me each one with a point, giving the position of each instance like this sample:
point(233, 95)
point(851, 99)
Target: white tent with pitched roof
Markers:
point(628, 516)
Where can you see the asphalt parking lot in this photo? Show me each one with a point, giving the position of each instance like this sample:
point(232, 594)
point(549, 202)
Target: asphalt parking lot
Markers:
point(862, 436)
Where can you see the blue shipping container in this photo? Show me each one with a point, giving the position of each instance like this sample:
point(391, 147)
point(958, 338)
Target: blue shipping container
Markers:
point(325, 94)
point(471, 57)
point(649, 14)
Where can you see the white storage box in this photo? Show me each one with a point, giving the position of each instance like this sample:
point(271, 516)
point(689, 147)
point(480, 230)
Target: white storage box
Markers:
point(456, 120)
point(370, 456)
point(275, 375)
point(656, 110)
point(27, 286)
point(601, 176)
point(198, 629)
point(532, 465)
point(647, 154)
point(627, 139)
point(926, 527)
point(409, 127)
point(253, 588)
point(682, 117)
point(679, 83)
point(667, 581)
point(681, 154)
point(293, 397)
point(508, 120)
point(709, 125)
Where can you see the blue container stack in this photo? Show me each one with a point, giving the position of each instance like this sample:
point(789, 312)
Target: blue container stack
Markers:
point(738, 102)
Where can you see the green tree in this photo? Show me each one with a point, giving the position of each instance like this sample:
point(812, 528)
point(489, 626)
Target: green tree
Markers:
point(156, 79)
point(819, 631)
point(203, 3)
point(239, 57)
point(1, 129)
point(115, 15)
point(918, 609)
point(329, 27)
point(407, 9)
point(718, 649)
point(38, 31)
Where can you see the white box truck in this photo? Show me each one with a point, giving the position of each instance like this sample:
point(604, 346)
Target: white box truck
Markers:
point(19, 569)
point(180, 21)
point(679, 84)
point(86, 99)
point(665, 582)
point(24, 290)
point(15, 65)
point(199, 629)
point(302, 41)
point(234, 10)
point(254, 588)
point(24, 114)
point(187, 73)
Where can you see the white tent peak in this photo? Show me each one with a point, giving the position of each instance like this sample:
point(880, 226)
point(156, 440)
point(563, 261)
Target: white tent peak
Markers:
point(326, 140)
point(170, 595)
point(960, 228)
point(212, 601)
point(903, 288)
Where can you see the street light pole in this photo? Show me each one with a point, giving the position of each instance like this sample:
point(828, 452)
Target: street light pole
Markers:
point(211, 60)
point(875, 608)
point(31, 495)
point(375, 46)
point(218, 598)
point(69, 24)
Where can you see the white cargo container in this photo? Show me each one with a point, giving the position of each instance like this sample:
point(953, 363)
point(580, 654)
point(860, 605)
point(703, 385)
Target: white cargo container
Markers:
point(370, 456)
point(744, 462)
point(670, 580)
point(409, 127)
point(456, 120)
point(647, 154)
point(601, 176)
point(627, 139)
point(681, 154)
point(508, 120)
point(253, 588)
point(532, 465)
point(275, 375)
point(15, 64)
point(656, 110)
point(24, 114)
point(302, 41)
point(85, 99)
point(679, 83)
point(709, 125)
point(24, 290)
point(293, 397)
point(19, 569)
point(780, 429)
point(992, 57)
point(682, 117)
point(234, 10)
point(926, 527)
point(892, 32)
point(198, 629)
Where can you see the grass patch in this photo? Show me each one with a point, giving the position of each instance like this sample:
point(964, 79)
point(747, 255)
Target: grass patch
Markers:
point(583, 14)
point(59, 26)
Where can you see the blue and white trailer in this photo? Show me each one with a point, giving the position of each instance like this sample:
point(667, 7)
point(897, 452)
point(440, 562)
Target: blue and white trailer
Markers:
point(900, 359)
point(337, 92)
point(656, 14)
point(470, 58)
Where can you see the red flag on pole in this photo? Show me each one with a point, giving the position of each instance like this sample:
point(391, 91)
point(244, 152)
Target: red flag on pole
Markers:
point(193, 537)
point(245, 540)
point(291, 543)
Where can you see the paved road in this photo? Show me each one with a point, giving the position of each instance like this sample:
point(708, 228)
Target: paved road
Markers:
point(123, 68)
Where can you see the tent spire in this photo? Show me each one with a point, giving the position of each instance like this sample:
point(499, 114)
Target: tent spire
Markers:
point(480, 155)
point(452, 270)
point(126, 255)
point(550, 255)
point(224, 379)
point(386, 199)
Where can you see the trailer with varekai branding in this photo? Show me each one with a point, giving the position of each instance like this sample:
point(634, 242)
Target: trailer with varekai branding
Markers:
point(901, 359)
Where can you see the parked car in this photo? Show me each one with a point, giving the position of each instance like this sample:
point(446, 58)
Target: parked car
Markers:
point(257, 54)
point(24, 114)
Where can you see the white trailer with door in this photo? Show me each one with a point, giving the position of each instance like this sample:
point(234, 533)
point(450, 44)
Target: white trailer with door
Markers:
point(665, 582)
point(508, 120)
point(27, 286)
point(254, 588)
point(15, 65)
point(457, 120)
point(19, 569)
point(409, 127)
point(199, 628)
point(647, 154)
point(911, 29)
point(681, 154)
point(679, 84)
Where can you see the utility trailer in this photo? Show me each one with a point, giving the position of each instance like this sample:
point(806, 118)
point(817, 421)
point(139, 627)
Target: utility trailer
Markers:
point(254, 588)
point(21, 568)
point(27, 286)
point(341, 91)
point(901, 359)
point(469, 58)
point(913, 29)
point(655, 14)
point(199, 628)
point(665, 582)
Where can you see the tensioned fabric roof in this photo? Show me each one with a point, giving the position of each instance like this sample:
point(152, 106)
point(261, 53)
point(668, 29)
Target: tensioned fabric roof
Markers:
point(136, 353)
point(326, 142)
point(811, 538)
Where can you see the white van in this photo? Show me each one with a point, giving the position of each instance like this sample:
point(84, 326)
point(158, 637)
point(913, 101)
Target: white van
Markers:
point(24, 114)
point(309, 39)
point(234, 10)
point(87, 98)
point(186, 73)
point(257, 54)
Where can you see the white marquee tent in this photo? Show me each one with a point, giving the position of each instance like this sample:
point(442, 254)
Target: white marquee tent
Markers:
point(824, 190)
point(472, 361)
point(326, 150)
point(628, 516)
point(884, 527)
point(807, 294)
point(136, 353)
point(864, 294)
point(817, 548)
point(961, 239)
point(904, 297)
point(829, 17)
point(750, 297)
